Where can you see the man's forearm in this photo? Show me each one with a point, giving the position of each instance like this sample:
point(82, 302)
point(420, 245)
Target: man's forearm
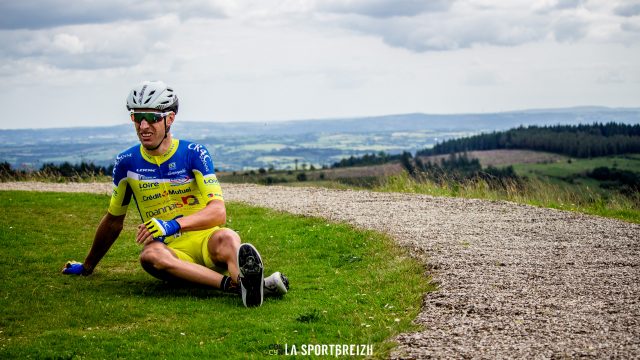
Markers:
point(214, 214)
point(106, 234)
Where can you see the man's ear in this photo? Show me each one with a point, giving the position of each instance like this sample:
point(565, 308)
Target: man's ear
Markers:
point(170, 118)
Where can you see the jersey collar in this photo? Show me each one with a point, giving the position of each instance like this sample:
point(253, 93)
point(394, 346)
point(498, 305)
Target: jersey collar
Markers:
point(157, 160)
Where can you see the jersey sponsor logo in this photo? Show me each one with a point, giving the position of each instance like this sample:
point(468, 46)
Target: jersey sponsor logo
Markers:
point(180, 181)
point(152, 197)
point(148, 185)
point(186, 200)
point(190, 200)
point(122, 157)
point(162, 210)
point(210, 181)
point(180, 191)
point(119, 158)
point(171, 173)
point(202, 152)
point(145, 170)
point(172, 166)
point(140, 177)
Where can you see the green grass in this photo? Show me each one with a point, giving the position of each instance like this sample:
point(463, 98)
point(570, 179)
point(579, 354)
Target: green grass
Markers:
point(535, 191)
point(579, 166)
point(347, 287)
point(560, 185)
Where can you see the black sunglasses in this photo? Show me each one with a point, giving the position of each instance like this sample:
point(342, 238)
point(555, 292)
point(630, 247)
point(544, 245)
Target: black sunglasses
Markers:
point(150, 117)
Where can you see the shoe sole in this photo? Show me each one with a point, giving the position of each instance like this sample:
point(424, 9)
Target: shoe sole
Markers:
point(251, 275)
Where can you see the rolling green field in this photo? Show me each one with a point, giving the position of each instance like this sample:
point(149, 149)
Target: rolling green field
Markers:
point(572, 167)
point(347, 287)
point(555, 184)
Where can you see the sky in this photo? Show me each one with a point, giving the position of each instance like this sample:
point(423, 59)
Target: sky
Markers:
point(73, 65)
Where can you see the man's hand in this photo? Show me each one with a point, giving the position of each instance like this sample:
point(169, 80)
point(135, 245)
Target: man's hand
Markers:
point(73, 268)
point(156, 229)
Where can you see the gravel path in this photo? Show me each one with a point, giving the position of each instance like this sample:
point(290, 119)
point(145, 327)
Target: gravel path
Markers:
point(514, 281)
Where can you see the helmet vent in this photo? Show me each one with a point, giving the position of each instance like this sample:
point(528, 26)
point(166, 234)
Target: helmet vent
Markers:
point(146, 102)
point(134, 101)
point(165, 102)
point(170, 95)
point(151, 93)
point(135, 93)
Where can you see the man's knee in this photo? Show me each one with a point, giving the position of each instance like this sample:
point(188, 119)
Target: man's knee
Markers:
point(228, 237)
point(156, 259)
point(223, 244)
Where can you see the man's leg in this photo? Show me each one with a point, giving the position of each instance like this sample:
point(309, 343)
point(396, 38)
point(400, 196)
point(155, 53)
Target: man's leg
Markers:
point(243, 263)
point(223, 251)
point(161, 262)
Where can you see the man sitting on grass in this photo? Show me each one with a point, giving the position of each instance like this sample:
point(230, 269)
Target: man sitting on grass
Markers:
point(179, 199)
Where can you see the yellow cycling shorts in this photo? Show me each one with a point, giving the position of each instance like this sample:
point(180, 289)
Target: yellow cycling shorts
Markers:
point(193, 246)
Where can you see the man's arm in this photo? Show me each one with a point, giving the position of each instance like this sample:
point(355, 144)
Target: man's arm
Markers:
point(106, 234)
point(214, 214)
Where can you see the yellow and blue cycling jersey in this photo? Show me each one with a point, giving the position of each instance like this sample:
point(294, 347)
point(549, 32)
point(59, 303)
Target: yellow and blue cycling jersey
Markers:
point(180, 182)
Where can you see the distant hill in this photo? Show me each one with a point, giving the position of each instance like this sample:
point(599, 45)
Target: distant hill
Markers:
point(279, 143)
point(386, 123)
point(581, 141)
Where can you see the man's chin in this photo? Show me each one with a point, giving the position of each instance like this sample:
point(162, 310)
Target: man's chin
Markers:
point(148, 144)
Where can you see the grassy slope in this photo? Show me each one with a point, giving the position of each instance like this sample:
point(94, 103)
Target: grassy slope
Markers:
point(579, 166)
point(345, 288)
point(583, 194)
point(545, 188)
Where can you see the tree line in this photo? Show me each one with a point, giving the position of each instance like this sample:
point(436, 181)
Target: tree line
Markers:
point(50, 170)
point(367, 159)
point(580, 141)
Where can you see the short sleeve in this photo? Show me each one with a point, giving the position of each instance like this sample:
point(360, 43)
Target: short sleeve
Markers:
point(122, 193)
point(204, 172)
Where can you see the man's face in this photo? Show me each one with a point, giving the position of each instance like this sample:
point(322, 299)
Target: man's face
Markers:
point(152, 131)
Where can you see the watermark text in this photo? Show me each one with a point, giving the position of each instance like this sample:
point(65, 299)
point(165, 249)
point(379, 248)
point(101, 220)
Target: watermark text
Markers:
point(336, 350)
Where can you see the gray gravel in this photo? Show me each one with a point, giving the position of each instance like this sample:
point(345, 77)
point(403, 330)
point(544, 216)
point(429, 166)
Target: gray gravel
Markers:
point(514, 281)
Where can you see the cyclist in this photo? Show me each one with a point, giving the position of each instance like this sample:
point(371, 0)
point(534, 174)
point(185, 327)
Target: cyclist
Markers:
point(176, 192)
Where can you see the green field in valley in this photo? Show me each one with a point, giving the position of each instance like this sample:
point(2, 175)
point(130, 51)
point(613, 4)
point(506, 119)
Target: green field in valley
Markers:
point(347, 287)
point(575, 166)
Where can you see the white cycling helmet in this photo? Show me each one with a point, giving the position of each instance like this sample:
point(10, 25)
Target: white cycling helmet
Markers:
point(152, 95)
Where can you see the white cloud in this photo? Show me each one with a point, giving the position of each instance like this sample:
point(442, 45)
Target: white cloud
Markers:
point(92, 46)
point(68, 43)
point(483, 77)
point(464, 24)
point(384, 8)
point(42, 14)
point(274, 59)
point(628, 8)
point(569, 29)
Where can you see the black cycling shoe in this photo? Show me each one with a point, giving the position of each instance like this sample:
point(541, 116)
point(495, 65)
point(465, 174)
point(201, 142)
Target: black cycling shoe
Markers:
point(251, 275)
